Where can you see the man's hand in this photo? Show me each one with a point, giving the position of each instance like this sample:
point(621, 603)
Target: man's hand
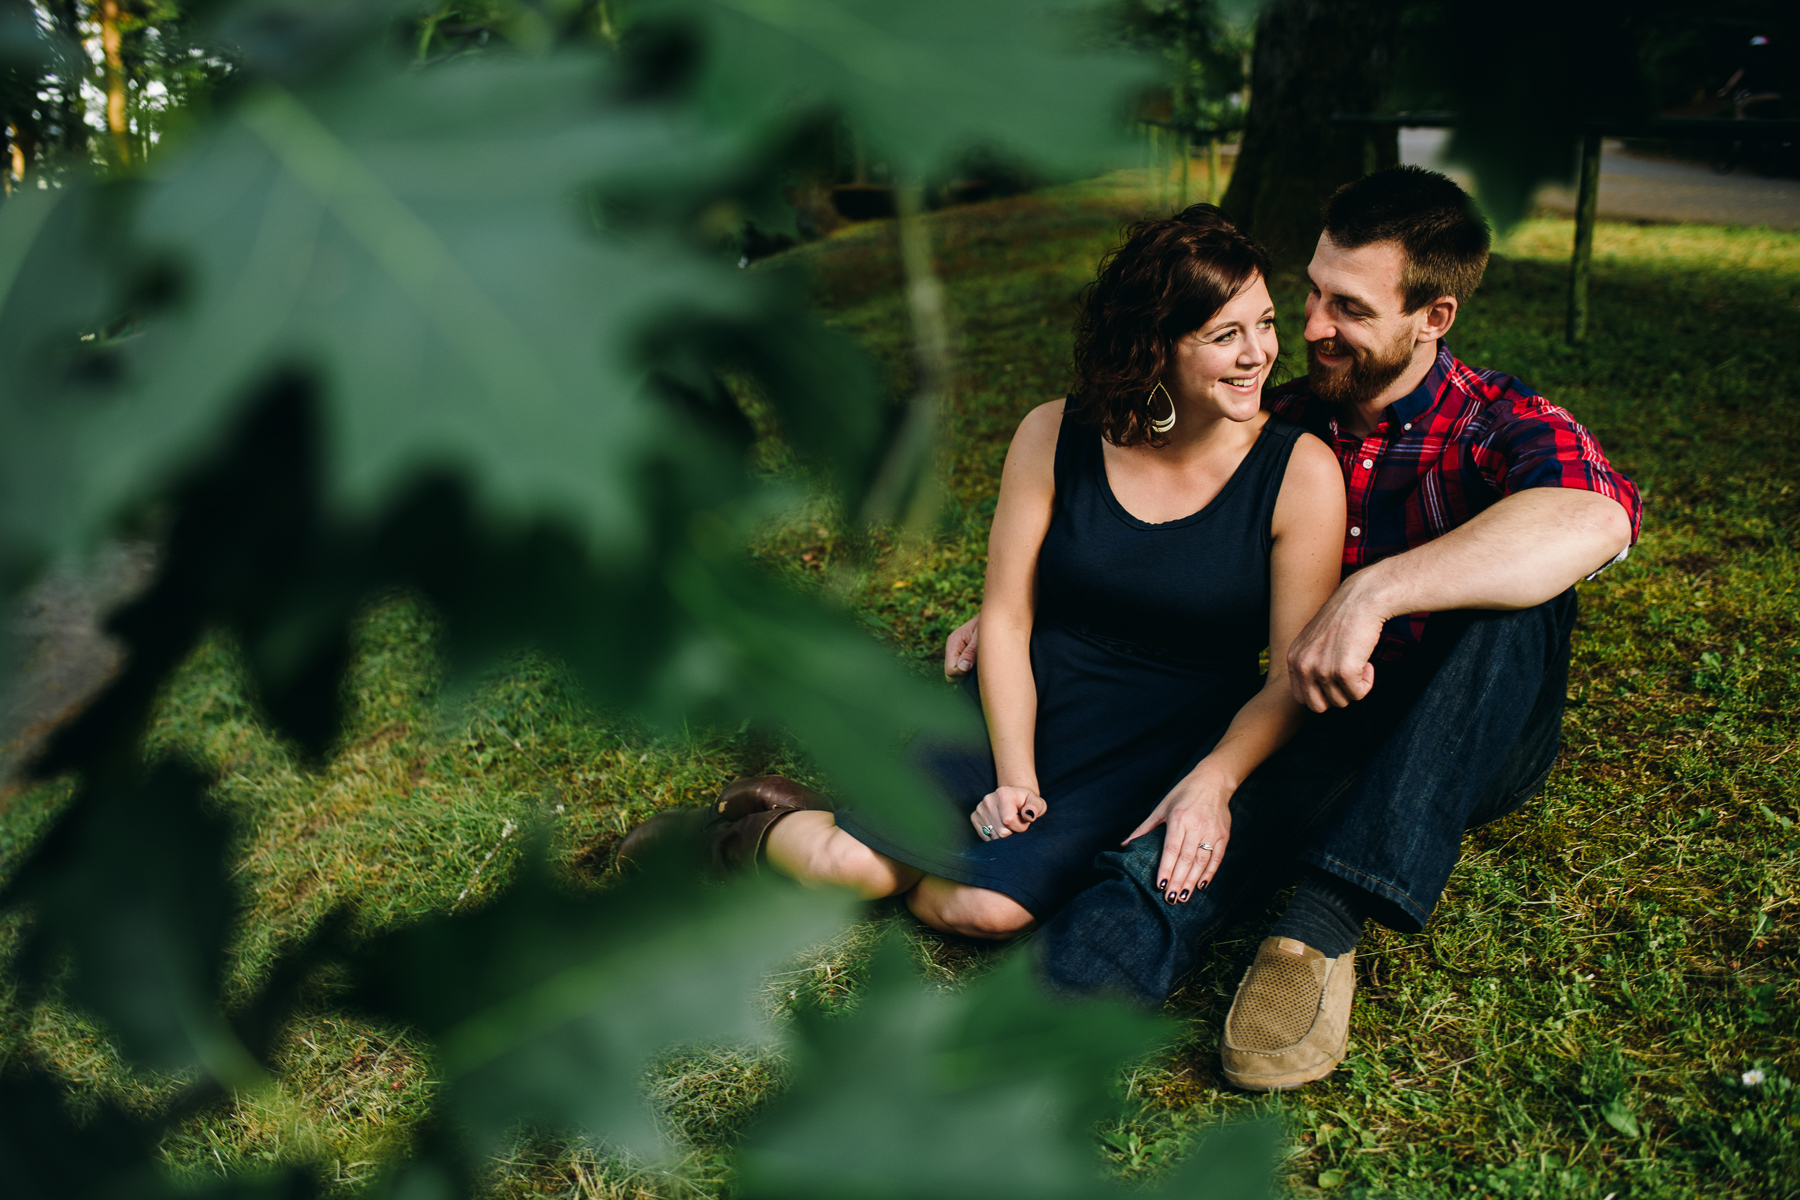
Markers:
point(1525, 549)
point(1006, 811)
point(1328, 662)
point(959, 651)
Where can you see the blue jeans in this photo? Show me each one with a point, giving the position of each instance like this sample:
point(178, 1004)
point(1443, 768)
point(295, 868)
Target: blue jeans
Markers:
point(1462, 731)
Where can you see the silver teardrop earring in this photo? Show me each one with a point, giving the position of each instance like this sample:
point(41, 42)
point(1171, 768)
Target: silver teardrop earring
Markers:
point(1160, 424)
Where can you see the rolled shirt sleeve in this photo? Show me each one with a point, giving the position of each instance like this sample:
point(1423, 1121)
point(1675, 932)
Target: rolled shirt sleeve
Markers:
point(1534, 443)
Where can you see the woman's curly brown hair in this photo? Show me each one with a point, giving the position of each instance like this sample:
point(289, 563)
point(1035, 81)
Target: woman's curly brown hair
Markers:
point(1166, 280)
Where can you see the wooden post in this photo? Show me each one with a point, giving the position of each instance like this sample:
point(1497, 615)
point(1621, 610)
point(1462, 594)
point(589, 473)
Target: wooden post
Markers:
point(1212, 169)
point(1587, 205)
point(1184, 143)
point(1160, 153)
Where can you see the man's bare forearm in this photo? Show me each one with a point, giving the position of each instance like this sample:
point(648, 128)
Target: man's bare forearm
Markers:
point(1524, 550)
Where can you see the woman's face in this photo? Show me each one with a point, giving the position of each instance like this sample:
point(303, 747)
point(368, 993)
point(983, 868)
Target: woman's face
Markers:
point(1218, 370)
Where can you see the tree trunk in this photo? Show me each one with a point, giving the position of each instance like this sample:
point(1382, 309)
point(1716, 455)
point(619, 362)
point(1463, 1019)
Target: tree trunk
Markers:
point(22, 152)
point(1313, 58)
point(112, 44)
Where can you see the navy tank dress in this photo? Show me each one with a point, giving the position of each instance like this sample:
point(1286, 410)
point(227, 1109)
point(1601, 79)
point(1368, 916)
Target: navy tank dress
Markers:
point(1144, 645)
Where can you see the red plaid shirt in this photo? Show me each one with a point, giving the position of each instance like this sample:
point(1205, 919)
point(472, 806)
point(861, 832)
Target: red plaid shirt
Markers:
point(1461, 440)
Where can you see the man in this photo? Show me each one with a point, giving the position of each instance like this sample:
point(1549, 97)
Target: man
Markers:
point(1439, 665)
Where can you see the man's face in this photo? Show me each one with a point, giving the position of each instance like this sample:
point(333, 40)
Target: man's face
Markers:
point(1357, 339)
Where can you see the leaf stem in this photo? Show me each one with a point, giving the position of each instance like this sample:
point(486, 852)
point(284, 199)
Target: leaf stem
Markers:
point(899, 486)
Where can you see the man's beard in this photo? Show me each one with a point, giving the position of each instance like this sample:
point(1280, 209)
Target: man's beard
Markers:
point(1368, 374)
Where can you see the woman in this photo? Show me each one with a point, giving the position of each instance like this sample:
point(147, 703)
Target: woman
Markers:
point(1154, 532)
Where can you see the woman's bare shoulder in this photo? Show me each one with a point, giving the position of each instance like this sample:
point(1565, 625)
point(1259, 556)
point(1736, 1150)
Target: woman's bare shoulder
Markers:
point(1314, 481)
point(1049, 413)
point(1315, 462)
point(1037, 433)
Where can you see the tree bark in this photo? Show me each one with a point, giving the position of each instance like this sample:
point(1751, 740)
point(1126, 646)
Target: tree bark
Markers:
point(1313, 58)
point(111, 43)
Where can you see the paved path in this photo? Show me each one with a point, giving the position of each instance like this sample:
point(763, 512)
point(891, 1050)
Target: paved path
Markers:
point(63, 656)
point(1643, 189)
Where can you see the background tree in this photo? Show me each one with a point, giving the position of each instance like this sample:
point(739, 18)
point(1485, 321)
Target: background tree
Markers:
point(1207, 46)
point(1522, 80)
point(1312, 58)
point(99, 81)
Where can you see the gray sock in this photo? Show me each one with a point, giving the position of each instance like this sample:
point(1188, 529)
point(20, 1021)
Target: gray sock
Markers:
point(1326, 913)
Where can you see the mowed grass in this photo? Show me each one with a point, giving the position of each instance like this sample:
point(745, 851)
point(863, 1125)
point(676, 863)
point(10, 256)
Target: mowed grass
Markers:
point(1580, 1016)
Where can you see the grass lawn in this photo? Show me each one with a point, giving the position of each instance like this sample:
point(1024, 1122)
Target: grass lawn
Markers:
point(1577, 1021)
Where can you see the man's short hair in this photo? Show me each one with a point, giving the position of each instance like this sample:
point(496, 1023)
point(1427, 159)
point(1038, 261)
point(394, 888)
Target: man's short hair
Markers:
point(1439, 230)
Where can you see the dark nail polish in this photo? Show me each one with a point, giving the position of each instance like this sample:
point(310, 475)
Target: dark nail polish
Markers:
point(1163, 886)
point(1203, 886)
point(1030, 816)
point(1171, 897)
point(1184, 895)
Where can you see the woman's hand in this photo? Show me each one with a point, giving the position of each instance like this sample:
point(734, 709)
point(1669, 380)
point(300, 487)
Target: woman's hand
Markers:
point(1006, 811)
point(959, 649)
point(1198, 815)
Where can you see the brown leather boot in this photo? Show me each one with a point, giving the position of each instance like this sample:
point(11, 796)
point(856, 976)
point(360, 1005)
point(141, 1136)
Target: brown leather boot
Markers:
point(675, 824)
point(737, 845)
point(764, 793)
point(732, 832)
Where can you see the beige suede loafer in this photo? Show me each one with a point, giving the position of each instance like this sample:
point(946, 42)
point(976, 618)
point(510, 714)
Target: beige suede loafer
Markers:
point(1290, 1021)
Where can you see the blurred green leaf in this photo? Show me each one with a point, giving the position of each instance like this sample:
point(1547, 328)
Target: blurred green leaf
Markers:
point(300, 39)
point(130, 889)
point(415, 242)
point(990, 1092)
point(1235, 1161)
point(52, 1150)
point(926, 80)
point(837, 689)
point(827, 392)
point(546, 1007)
point(1242, 12)
point(55, 286)
point(46, 1155)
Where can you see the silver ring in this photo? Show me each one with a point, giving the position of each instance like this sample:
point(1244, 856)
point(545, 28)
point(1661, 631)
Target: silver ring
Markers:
point(1206, 845)
point(987, 831)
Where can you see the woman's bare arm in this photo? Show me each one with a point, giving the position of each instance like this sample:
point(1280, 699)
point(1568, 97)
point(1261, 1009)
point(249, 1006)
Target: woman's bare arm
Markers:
point(1304, 568)
point(1008, 606)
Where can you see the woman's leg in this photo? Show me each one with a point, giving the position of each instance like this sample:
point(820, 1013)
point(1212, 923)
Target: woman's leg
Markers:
point(809, 847)
point(970, 911)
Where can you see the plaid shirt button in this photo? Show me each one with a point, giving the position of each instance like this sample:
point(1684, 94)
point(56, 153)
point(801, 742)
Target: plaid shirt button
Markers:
point(1368, 463)
point(1356, 531)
